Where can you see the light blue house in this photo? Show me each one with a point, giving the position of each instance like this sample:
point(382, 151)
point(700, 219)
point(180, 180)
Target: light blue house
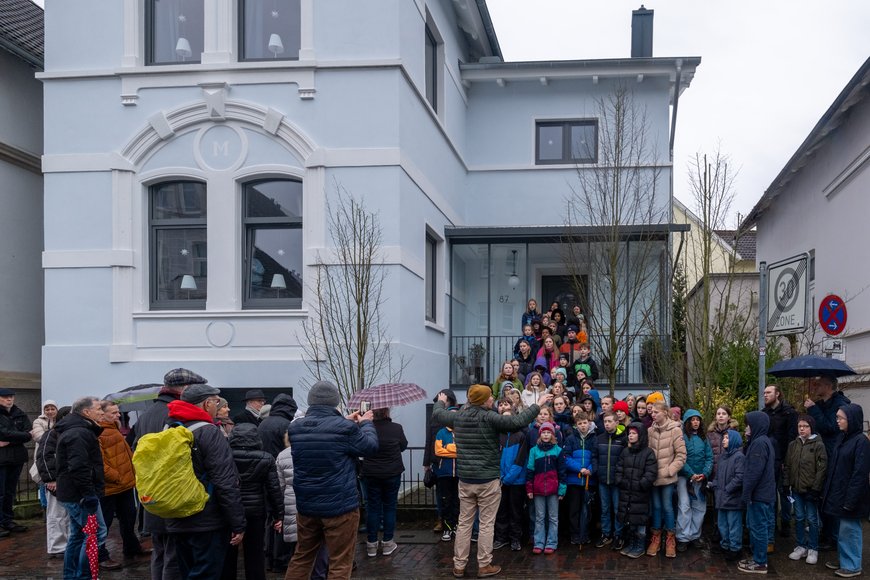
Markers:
point(191, 147)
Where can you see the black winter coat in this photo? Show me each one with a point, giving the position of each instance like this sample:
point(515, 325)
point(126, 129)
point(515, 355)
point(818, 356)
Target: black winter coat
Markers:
point(610, 448)
point(783, 428)
point(15, 428)
point(79, 459)
point(273, 428)
point(728, 480)
point(257, 473)
point(847, 494)
point(246, 417)
point(213, 465)
point(46, 456)
point(636, 471)
point(758, 474)
point(825, 415)
point(387, 462)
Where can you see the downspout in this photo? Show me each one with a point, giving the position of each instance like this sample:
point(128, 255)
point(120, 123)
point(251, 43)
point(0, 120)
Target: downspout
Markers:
point(670, 287)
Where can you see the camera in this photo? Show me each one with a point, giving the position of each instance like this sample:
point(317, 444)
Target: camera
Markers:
point(364, 406)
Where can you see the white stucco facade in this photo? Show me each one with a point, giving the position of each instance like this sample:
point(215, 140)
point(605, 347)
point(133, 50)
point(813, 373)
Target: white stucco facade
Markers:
point(351, 111)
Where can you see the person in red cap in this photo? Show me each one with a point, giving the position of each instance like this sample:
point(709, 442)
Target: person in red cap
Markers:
point(620, 408)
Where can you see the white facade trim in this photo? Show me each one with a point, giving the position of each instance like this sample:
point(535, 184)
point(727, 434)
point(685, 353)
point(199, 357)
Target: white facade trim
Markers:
point(87, 259)
point(852, 169)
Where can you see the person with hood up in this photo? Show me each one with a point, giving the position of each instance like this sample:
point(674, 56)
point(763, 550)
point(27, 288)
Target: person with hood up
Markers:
point(611, 443)
point(728, 493)
point(636, 471)
point(692, 482)
point(667, 443)
point(273, 428)
point(803, 478)
point(847, 495)
point(259, 488)
point(759, 491)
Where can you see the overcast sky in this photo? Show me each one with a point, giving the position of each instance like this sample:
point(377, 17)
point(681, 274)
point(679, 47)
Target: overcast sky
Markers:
point(769, 69)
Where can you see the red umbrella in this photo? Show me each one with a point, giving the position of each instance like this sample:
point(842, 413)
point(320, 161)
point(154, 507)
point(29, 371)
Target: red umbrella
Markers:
point(387, 395)
point(91, 548)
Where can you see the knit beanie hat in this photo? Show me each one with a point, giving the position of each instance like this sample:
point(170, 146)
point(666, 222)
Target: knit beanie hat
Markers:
point(324, 393)
point(479, 394)
point(655, 397)
point(620, 406)
point(810, 421)
point(547, 426)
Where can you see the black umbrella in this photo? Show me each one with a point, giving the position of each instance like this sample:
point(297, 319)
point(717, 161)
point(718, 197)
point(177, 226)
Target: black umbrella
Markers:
point(811, 365)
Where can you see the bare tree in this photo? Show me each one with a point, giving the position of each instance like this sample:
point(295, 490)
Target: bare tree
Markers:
point(346, 341)
point(624, 255)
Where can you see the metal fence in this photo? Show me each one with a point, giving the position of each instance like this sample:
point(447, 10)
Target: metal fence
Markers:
point(413, 494)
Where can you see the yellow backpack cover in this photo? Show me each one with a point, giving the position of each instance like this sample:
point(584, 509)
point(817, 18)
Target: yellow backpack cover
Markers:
point(165, 481)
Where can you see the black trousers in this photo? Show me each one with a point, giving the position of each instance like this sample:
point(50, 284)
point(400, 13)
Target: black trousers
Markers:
point(201, 554)
point(123, 506)
point(8, 486)
point(579, 512)
point(254, 553)
point(448, 490)
point(511, 514)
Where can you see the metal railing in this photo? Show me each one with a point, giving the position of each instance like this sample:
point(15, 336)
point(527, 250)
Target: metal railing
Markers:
point(412, 493)
point(475, 359)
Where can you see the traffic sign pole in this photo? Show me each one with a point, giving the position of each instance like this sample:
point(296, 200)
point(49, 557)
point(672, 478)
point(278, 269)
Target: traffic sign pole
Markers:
point(762, 331)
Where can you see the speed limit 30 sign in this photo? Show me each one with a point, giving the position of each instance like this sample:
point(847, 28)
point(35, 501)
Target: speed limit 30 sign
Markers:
point(787, 295)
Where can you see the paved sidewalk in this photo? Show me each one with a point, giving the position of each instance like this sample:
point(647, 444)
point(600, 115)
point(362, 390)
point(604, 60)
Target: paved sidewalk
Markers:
point(422, 555)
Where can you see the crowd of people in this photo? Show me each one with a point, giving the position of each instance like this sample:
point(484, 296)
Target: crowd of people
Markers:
point(636, 475)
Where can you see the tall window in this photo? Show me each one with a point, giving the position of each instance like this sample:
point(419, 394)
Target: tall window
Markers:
point(273, 244)
point(566, 142)
point(269, 29)
point(431, 69)
point(174, 31)
point(179, 266)
point(431, 281)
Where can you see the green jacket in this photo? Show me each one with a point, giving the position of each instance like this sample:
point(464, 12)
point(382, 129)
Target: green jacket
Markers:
point(476, 431)
point(805, 464)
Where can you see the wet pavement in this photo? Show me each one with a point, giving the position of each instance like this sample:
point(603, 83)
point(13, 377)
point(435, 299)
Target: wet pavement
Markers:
point(421, 554)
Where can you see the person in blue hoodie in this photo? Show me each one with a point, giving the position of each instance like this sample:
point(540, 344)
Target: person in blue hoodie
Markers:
point(728, 493)
point(759, 491)
point(512, 513)
point(581, 469)
point(847, 494)
point(692, 481)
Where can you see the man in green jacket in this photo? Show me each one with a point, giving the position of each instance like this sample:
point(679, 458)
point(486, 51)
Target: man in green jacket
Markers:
point(476, 428)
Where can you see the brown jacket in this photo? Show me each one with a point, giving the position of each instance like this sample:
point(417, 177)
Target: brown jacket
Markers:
point(670, 450)
point(117, 460)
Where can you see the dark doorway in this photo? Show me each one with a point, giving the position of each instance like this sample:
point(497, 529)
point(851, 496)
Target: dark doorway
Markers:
point(561, 289)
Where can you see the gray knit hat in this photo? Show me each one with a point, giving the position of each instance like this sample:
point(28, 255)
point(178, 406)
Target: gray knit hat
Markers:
point(324, 393)
point(195, 394)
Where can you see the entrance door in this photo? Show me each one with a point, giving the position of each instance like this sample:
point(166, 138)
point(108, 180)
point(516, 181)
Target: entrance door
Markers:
point(561, 289)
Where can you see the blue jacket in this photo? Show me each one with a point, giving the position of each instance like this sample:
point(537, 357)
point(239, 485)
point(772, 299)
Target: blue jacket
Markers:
point(758, 475)
point(610, 446)
point(699, 454)
point(445, 453)
point(514, 455)
point(325, 447)
point(581, 452)
point(728, 483)
point(825, 415)
point(847, 494)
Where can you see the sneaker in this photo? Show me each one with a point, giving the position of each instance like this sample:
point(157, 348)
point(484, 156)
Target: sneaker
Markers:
point(745, 562)
point(446, 536)
point(549, 551)
point(459, 572)
point(753, 568)
point(843, 573)
point(498, 545)
point(537, 550)
point(618, 544)
point(812, 556)
point(798, 553)
point(832, 565)
point(372, 549)
point(603, 541)
point(488, 571)
point(516, 546)
point(389, 547)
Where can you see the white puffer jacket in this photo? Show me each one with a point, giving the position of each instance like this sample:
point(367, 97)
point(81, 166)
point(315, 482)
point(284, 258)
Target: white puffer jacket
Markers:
point(285, 477)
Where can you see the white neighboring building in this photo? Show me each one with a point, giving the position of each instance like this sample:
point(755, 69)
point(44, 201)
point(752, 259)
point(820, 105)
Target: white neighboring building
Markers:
point(21, 284)
point(819, 204)
point(191, 149)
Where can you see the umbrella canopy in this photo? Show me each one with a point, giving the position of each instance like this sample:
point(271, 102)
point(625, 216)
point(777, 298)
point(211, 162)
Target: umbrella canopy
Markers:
point(387, 395)
point(136, 398)
point(810, 365)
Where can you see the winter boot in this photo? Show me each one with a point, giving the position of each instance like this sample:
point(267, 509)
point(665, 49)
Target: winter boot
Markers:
point(670, 545)
point(655, 543)
point(637, 542)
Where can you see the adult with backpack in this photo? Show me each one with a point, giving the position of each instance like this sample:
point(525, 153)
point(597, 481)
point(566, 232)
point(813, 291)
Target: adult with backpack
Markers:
point(202, 538)
point(164, 565)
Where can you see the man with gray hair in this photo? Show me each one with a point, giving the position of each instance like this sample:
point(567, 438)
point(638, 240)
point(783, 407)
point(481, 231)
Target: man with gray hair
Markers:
point(80, 481)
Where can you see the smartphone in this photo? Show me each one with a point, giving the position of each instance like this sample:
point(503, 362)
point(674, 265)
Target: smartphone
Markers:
point(364, 406)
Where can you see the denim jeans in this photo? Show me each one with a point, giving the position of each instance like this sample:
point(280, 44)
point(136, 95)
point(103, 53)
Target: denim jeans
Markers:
point(75, 559)
point(691, 510)
point(547, 511)
point(382, 495)
point(849, 540)
point(663, 507)
point(806, 512)
point(609, 495)
point(731, 529)
point(758, 520)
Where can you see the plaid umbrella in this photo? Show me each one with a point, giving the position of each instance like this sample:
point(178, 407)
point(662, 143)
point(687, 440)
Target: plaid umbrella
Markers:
point(387, 395)
point(91, 549)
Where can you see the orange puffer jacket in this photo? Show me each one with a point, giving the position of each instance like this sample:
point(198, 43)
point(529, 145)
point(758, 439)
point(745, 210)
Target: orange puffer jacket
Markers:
point(117, 460)
point(670, 450)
